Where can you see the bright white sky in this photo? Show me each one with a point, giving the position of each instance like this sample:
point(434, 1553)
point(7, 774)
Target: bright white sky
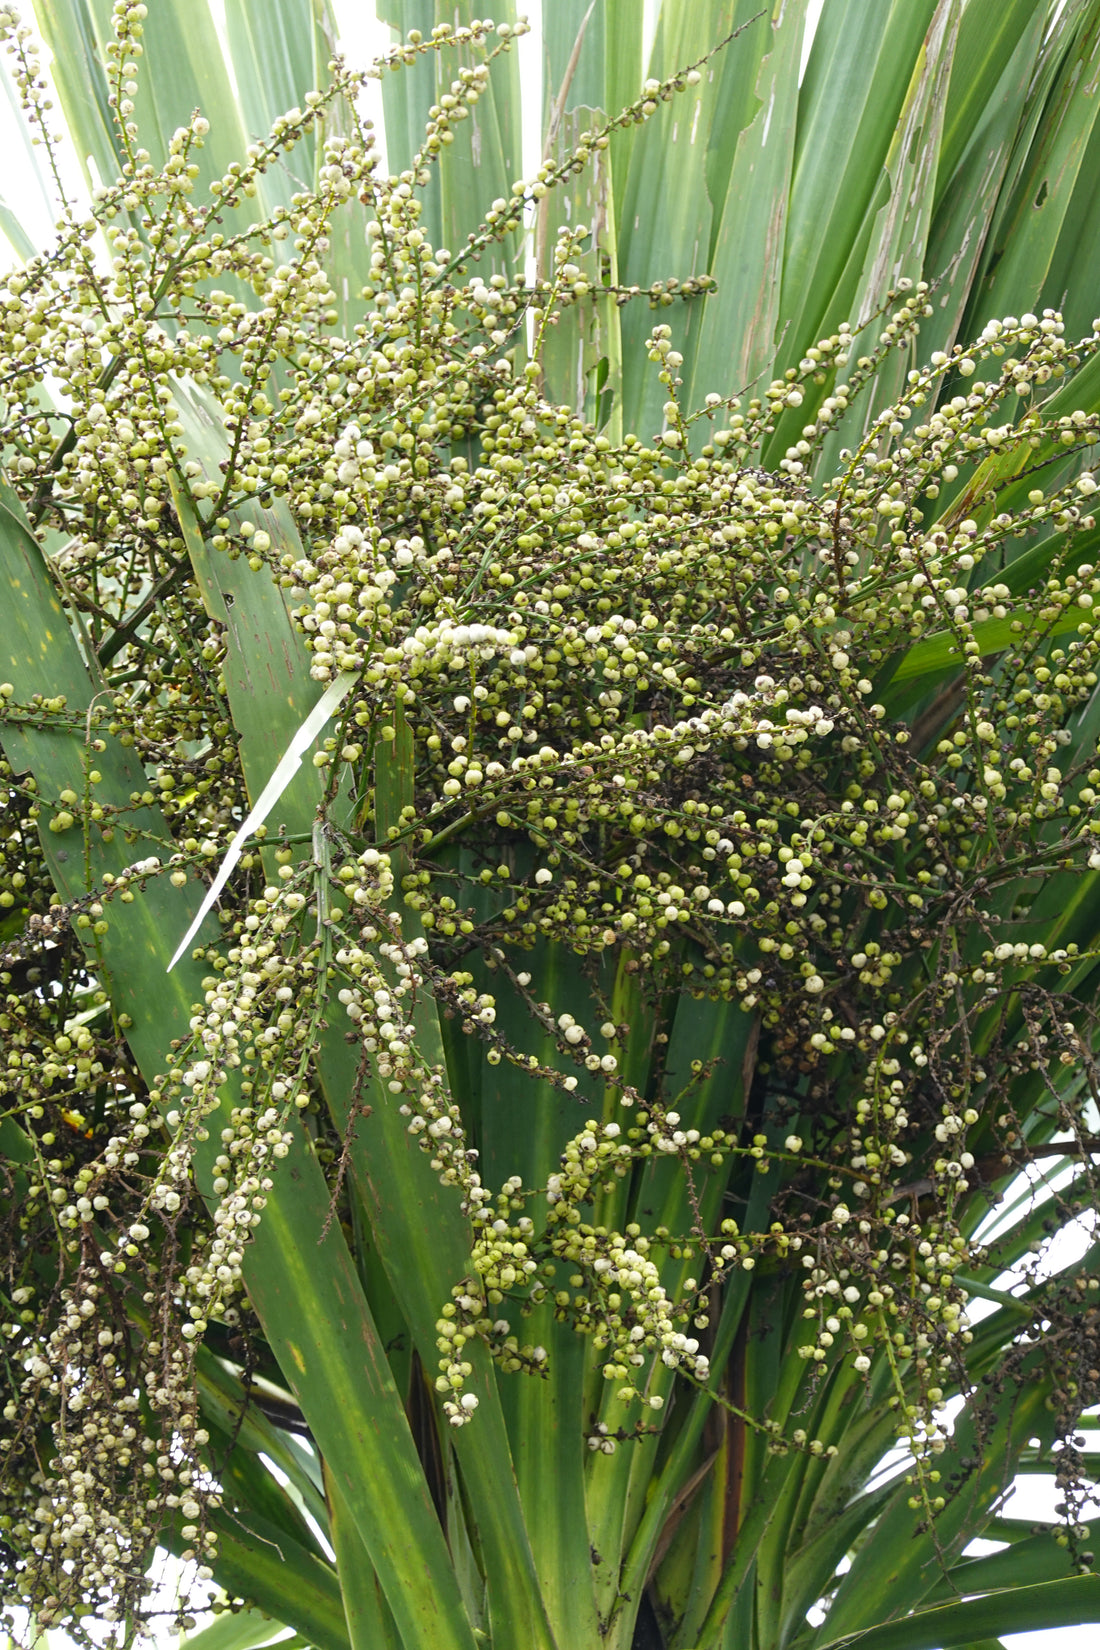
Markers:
point(362, 37)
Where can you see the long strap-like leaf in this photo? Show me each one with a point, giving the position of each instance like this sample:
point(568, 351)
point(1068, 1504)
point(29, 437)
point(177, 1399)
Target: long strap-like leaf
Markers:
point(1046, 1606)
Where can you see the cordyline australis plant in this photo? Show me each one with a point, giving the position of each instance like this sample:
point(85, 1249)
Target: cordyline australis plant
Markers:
point(579, 1117)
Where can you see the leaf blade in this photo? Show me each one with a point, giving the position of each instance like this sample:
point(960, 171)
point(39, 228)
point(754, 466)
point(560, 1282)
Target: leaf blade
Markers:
point(1045, 1605)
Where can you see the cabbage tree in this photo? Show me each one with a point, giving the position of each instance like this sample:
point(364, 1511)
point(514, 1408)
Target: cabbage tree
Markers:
point(552, 825)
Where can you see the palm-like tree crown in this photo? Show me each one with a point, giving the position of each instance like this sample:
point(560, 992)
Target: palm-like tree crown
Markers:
point(553, 821)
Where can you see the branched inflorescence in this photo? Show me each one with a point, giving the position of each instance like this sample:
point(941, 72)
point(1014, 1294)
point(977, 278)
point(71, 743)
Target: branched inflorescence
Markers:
point(797, 743)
